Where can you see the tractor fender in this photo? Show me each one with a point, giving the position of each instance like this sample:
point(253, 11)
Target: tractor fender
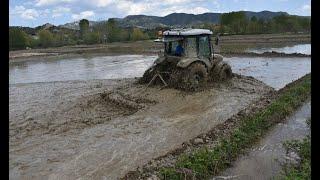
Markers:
point(159, 60)
point(183, 63)
point(217, 57)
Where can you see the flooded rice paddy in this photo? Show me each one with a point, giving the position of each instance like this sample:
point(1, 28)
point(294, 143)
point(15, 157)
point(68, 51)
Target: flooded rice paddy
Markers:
point(105, 67)
point(275, 72)
point(288, 49)
point(122, 142)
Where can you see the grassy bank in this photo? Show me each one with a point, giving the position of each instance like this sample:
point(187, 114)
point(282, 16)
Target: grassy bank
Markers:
point(205, 162)
point(302, 148)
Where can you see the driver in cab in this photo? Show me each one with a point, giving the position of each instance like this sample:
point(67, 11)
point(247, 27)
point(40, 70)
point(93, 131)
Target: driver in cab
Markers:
point(179, 49)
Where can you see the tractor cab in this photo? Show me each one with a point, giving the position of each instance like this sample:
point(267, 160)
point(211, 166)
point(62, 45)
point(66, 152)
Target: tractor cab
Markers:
point(194, 42)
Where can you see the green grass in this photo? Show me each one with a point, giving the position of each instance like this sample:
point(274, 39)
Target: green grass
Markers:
point(204, 163)
point(302, 148)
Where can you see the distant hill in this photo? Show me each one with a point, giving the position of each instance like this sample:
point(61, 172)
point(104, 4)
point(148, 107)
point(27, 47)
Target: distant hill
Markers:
point(50, 27)
point(75, 25)
point(175, 19)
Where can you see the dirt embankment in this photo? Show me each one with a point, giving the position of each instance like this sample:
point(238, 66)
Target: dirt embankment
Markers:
point(150, 47)
point(105, 128)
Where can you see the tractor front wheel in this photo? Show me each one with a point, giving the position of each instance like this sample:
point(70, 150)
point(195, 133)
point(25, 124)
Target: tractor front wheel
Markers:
point(194, 76)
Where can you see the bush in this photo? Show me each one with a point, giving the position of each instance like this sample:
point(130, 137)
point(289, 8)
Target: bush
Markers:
point(46, 38)
point(137, 34)
point(92, 38)
point(18, 39)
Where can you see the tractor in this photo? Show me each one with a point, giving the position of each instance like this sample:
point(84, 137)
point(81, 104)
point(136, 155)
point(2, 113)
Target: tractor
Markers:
point(189, 66)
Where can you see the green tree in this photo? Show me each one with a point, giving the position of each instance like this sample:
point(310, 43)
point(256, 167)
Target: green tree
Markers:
point(237, 21)
point(253, 19)
point(18, 39)
point(112, 31)
point(84, 27)
point(46, 38)
point(92, 38)
point(137, 34)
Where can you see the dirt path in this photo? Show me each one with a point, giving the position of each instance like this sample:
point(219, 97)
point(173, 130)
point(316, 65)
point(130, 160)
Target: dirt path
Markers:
point(105, 128)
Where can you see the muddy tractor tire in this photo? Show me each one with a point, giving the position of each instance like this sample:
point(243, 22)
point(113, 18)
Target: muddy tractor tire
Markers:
point(225, 72)
point(148, 74)
point(220, 71)
point(194, 76)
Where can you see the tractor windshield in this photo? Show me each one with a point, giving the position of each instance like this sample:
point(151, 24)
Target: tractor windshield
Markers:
point(170, 47)
point(204, 47)
point(174, 46)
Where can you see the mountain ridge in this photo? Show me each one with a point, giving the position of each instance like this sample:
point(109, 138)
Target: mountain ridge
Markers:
point(173, 20)
point(179, 19)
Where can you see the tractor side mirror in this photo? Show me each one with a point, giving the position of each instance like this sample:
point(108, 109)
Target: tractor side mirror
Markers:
point(212, 49)
point(217, 40)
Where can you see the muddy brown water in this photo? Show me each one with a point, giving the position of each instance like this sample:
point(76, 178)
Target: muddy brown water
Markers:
point(95, 129)
point(62, 126)
point(276, 72)
point(288, 49)
point(263, 161)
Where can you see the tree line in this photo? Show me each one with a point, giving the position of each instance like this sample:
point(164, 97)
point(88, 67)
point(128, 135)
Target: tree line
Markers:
point(110, 31)
point(105, 32)
point(238, 23)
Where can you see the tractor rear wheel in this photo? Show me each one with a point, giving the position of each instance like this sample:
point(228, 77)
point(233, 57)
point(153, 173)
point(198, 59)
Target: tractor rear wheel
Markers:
point(194, 76)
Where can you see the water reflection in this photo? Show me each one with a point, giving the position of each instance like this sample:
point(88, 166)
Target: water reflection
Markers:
point(275, 72)
point(299, 48)
point(106, 67)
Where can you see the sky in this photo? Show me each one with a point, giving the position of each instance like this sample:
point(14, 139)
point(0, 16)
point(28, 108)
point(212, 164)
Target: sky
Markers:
point(33, 13)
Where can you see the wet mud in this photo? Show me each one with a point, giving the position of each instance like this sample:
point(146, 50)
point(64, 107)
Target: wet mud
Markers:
point(105, 128)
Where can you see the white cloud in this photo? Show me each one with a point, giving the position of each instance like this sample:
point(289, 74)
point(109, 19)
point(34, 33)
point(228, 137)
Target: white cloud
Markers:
point(28, 14)
point(199, 10)
point(131, 8)
point(306, 7)
point(16, 10)
point(51, 2)
point(101, 3)
point(176, 1)
point(57, 12)
point(162, 8)
point(83, 15)
point(189, 10)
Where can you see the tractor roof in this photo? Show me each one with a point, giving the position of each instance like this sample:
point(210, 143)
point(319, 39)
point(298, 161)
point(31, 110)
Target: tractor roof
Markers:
point(186, 32)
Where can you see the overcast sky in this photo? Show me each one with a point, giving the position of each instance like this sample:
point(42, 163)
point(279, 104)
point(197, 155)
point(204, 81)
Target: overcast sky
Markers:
point(37, 12)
